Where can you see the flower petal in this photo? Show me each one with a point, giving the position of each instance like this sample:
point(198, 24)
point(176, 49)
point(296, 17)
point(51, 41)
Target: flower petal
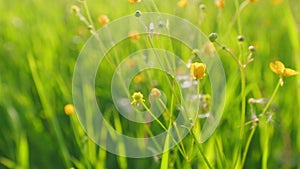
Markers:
point(277, 67)
point(289, 72)
point(198, 70)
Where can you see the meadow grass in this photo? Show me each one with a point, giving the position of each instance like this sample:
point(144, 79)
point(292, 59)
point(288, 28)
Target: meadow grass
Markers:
point(41, 40)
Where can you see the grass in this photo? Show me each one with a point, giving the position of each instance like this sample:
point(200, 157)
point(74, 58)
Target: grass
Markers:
point(40, 42)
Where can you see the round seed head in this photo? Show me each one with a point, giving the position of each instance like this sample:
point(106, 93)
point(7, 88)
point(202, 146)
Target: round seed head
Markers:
point(212, 37)
point(138, 13)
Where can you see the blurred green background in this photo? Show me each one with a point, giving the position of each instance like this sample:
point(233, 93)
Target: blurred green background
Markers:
point(39, 45)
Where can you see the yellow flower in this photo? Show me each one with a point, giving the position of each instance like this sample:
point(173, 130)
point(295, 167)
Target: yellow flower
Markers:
point(252, 1)
point(134, 35)
point(155, 93)
point(220, 4)
point(103, 20)
point(139, 78)
point(276, 2)
point(198, 70)
point(134, 1)
point(182, 3)
point(69, 109)
point(279, 68)
point(137, 97)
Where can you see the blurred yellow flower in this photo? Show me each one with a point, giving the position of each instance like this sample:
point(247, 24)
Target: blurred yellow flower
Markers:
point(182, 3)
point(134, 35)
point(198, 70)
point(139, 78)
point(134, 1)
point(69, 109)
point(220, 3)
point(103, 20)
point(137, 97)
point(279, 68)
point(155, 93)
point(252, 1)
point(276, 2)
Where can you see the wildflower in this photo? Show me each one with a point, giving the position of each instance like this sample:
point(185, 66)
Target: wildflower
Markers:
point(134, 1)
point(155, 93)
point(220, 4)
point(198, 70)
point(276, 2)
point(252, 1)
point(139, 78)
point(69, 109)
point(182, 3)
point(137, 97)
point(103, 20)
point(134, 35)
point(279, 68)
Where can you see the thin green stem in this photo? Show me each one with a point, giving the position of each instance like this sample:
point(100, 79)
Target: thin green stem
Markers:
point(236, 15)
point(255, 123)
point(243, 115)
point(181, 147)
point(248, 144)
point(201, 152)
point(88, 14)
point(243, 109)
point(160, 123)
point(237, 6)
point(272, 97)
point(155, 118)
point(229, 52)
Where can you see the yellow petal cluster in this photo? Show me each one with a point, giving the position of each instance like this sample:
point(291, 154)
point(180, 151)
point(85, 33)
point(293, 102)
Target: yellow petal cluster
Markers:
point(279, 68)
point(137, 97)
point(182, 3)
point(155, 93)
point(134, 35)
point(69, 109)
point(220, 4)
point(134, 1)
point(103, 20)
point(198, 70)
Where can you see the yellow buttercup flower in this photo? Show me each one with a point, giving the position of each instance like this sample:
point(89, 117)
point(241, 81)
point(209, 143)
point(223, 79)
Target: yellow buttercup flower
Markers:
point(155, 93)
point(276, 2)
point(139, 78)
point(134, 35)
point(279, 68)
point(220, 3)
point(134, 1)
point(198, 70)
point(252, 1)
point(137, 97)
point(103, 20)
point(182, 3)
point(69, 109)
